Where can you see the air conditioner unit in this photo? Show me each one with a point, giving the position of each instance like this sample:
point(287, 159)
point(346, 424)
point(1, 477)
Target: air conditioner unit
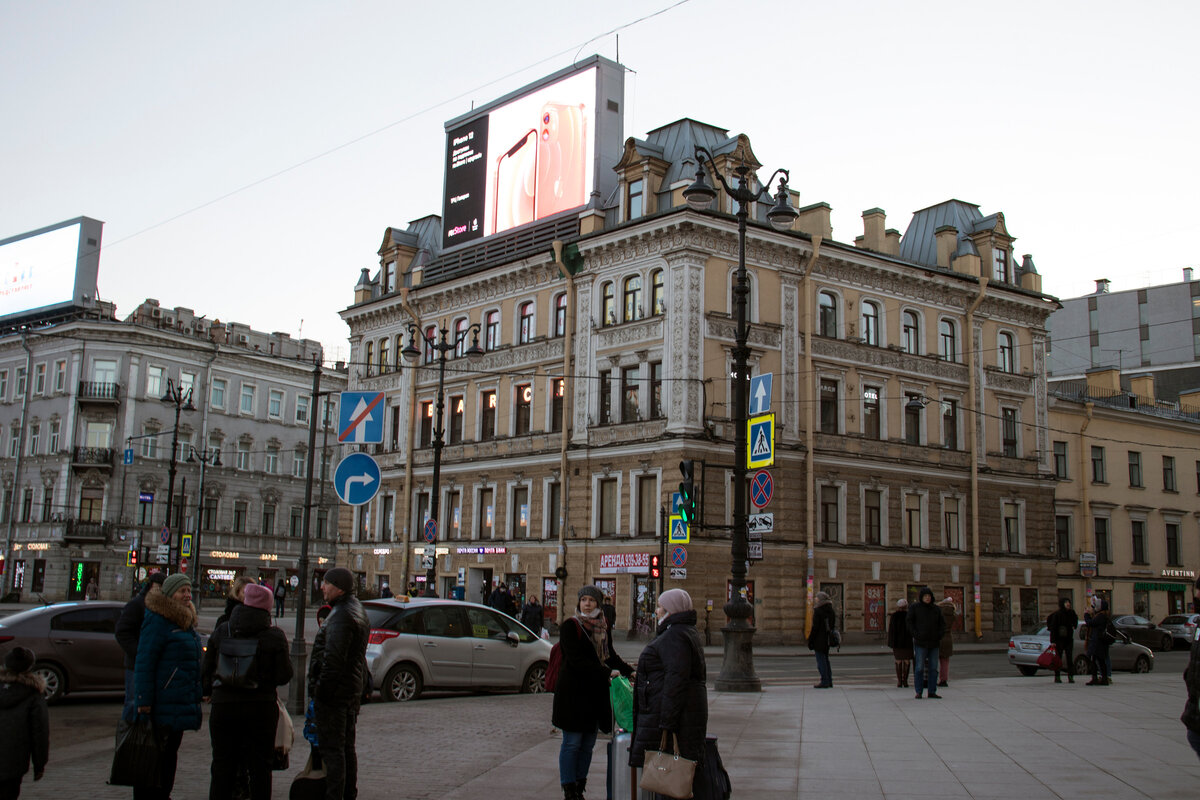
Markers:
point(243, 338)
point(155, 313)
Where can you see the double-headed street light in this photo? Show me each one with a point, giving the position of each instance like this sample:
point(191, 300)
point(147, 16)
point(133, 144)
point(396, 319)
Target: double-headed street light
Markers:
point(205, 457)
point(181, 398)
point(737, 669)
point(442, 344)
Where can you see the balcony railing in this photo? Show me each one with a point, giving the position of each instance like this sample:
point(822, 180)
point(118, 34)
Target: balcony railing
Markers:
point(99, 392)
point(80, 530)
point(85, 457)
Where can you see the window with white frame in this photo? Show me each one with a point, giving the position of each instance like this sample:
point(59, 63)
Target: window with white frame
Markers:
point(150, 441)
point(831, 518)
point(303, 402)
point(35, 436)
point(913, 520)
point(827, 317)
point(243, 455)
point(218, 393)
point(872, 522)
point(275, 404)
point(952, 522)
point(870, 322)
point(60, 376)
point(247, 406)
point(1014, 539)
point(155, 382)
point(271, 460)
point(55, 427)
point(1006, 352)
point(299, 462)
point(39, 378)
point(947, 340)
point(560, 314)
point(526, 332)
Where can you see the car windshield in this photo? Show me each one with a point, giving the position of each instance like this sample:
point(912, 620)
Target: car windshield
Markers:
point(1175, 619)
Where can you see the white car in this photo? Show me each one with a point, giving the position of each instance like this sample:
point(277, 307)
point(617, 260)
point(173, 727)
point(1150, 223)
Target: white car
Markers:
point(429, 643)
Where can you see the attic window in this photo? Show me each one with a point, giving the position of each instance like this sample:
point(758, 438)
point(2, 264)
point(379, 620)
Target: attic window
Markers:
point(636, 201)
point(1000, 269)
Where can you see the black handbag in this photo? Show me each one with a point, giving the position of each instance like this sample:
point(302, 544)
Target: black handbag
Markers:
point(135, 759)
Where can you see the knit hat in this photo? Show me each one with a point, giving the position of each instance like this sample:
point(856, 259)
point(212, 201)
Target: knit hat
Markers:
point(19, 659)
point(675, 600)
point(158, 577)
point(901, 603)
point(592, 592)
point(341, 578)
point(174, 583)
point(256, 596)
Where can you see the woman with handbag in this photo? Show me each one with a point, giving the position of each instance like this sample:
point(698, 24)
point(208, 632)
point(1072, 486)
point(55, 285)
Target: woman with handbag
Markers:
point(670, 699)
point(900, 640)
point(166, 676)
point(1100, 638)
point(581, 699)
point(247, 658)
point(820, 638)
point(1061, 625)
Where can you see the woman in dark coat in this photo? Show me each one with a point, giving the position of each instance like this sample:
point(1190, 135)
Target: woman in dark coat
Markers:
point(1062, 624)
point(900, 640)
point(166, 676)
point(243, 720)
point(823, 623)
point(946, 647)
point(237, 591)
point(1101, 635)
point(581, 704)
point(670, 694)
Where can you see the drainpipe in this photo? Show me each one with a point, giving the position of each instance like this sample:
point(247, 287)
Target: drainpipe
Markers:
point(1089, 545)
point(810, 506)
point(9, 569)
point(973, 447)
point(408, 453)
point(568, 411)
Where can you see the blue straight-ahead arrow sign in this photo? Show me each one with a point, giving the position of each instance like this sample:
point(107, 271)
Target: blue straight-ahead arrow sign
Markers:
point(760, 393)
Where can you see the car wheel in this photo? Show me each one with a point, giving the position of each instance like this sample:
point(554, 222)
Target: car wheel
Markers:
point(1082, 665)
point(1142, 664)
point(1027, 670)
point(402, 683)
point(535, 679)
point(56, 682)
point(1168, 642)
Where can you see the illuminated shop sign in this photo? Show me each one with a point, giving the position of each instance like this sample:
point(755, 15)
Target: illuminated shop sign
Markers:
point(221, 574)
point(225, 554)
point(615, 563)
point(481, 551)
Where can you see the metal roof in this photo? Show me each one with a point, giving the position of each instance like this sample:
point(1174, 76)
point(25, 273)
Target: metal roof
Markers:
point(919, 243)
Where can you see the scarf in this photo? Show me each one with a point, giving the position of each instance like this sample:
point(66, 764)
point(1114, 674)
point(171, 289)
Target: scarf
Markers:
point(596, 627)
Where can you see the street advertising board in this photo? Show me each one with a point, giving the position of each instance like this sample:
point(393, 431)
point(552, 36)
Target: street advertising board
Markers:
point(50, 269)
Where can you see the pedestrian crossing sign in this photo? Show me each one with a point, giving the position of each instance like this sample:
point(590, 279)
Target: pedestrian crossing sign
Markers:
point(760, 438)
point(679, 532)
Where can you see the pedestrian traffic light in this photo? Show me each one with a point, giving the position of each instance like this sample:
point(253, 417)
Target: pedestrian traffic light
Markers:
point(131, 558)
point(687, 493)
point(655, 568)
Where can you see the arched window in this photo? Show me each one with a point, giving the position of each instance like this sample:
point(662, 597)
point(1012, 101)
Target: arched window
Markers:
point(910, 333)
point(947, 341)
point(658, 302)
point(370, 356)
point(827, 322)
point(870, 323)
point(1007, 353)
point(608, 309)
point(460, 338)
point(383, 356)
point(491, 335)
point(399, 348)
point(526, 332)
point(560, 314)
point(633, 298)
point(431, 333)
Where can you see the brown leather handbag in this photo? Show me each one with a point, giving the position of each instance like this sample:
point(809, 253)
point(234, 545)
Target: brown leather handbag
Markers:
point(667, 773)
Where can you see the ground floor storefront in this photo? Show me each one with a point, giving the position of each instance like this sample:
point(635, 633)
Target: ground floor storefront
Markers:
point(1168, 591)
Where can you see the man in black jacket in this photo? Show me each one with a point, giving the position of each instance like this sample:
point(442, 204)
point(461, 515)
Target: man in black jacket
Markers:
point(335, 680)
point(128, 632)
point(1191, 679)
point(927, 625)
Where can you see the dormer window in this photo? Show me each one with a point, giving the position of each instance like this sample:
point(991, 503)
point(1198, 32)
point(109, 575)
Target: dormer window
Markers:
point(1000, 266)
point(636, 200)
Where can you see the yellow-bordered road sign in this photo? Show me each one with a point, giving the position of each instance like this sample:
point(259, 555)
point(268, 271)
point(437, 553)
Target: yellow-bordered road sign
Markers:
point(760, 441)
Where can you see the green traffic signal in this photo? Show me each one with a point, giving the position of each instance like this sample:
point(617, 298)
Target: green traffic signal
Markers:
point(687, 493)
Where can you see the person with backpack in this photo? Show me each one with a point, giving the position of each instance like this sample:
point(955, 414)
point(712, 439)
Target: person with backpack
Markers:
point(280, 596)
point(25, 721)
point(822, 637)
point(581, 698)
point(247, 658)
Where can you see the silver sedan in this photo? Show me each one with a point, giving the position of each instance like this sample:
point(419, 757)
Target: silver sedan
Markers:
point(1024, 649)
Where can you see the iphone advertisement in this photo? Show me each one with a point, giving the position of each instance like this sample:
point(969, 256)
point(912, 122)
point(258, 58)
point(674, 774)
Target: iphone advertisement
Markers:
point(48, 267)
point(525, 159)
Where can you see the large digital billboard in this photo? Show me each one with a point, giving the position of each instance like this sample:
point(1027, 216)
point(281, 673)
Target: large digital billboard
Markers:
point(532, 154)
point(51, 268)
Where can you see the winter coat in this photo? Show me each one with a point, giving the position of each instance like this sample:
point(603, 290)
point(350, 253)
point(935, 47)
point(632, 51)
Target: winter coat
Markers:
point(25, 721)
point(533, 616)
point(166, 676)
point(337, 672)
point(129, 625)
point(1062, 623)
point(230, 605)
point(581, 701)
point(502, 602)
point(824, 621)
point(925, 622)
point(946, 646)
point(899, 637)
point(1191, 679)
point(670, 694)
point(272, 663)
point(1097, 624)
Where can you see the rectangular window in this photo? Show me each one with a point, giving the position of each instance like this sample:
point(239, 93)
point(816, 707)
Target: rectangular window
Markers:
point(1098, 473)
point(1060, 460)
point(913, 409)
point(60, 376)
point(299, 463)
point(519, 514)
point(27, 506)
point(218, 393)
point(1172, 530)
point(271, 461)
point(208, 517)
point(150, 442)
point(556, 404)
point(523, 409)
point(302, 405)
point(21, 376)
point(629, 394)
point(268, 519)
point(1135, 468)
point(145, 513)
point(47, 503)
point(457, 408)
point(608, 507)
point(829, 514)
point(485, 519)
point(873, 516)
point(4, 396)
point(240, 509)
point(426, 423)
point(35, 435)
point(296, 523)
point(951, 521)
point(14, 442)
point(91, 501)
point(39, 378)
point(553, 510)
point(155, 382)
point(243, 456)
point(1012, 528)
point(1169, 474)
point(912, 520)
point(1062, 537)
point(605, 397)
point(1008, 423)
point(647, 505)
point(487, 416)
point(55, 427)
point(829, 406)
point(1137, 532)
point(1103, 550)
point(656, 385)
point(275, 404)
point(950, 424)
point(453, 515)
point(871, 427)
point(635, 199)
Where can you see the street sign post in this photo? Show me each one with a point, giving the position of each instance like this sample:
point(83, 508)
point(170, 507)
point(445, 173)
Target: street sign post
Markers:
point(762, 488)
point(754, 551)
point(678, 556)
point(760, 435)
point(678, 573)
point(360, 418)
point(430, 530)
point(678, 531)
point(760, 393)
point(356, 479)
point(185, 545)
point(758, 524)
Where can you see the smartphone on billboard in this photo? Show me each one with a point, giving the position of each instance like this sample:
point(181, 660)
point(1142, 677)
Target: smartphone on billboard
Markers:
point(515, 183)
point(561, 161)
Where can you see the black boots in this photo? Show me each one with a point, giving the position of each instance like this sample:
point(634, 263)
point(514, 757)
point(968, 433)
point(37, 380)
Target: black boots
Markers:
point(571, 791)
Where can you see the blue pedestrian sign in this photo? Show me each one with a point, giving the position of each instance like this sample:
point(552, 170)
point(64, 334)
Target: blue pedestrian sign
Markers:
point(760, 438)
point(360, 418)
point(760, 393)
point(678, 532)
point(128, 456)
point(356, 479)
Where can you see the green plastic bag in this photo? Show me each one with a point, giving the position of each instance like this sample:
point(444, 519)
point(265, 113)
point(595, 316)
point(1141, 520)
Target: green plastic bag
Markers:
point(620, 694)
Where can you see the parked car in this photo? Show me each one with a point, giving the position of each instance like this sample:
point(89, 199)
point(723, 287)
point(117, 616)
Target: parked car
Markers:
point(429, 643)
point(1144, 632)
point(1182, 627)
point(74, 644)
point(1024, 649)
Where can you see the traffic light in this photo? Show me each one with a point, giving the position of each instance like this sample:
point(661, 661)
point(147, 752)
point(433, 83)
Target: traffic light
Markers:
point(687, 493)
point(131, 558)
point(655, 568)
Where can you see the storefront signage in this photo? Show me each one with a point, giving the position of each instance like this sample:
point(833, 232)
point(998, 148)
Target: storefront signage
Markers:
point(620, 563)
point(1087, 565)
point(322, 560)
point(221, 574)
point(224, 554)
point(481, 551)
point(383, 551)
point(1178, 573)
point(37, 546)
point(1140, 586)
point(269, 557)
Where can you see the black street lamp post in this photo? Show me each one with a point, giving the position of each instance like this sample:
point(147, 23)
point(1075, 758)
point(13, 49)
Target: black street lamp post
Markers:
point(181, 398)
point(737, 668)
point(443, 344)
point(205, 457)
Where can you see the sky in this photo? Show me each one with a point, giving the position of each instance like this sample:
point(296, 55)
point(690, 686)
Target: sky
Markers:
point(247, 157)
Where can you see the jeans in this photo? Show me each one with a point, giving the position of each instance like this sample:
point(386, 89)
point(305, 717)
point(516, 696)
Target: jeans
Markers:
point(575, 756)
point(335, 727)
point(823, 668)
point(1194, 740)
point(926, 668)
point(243, 743)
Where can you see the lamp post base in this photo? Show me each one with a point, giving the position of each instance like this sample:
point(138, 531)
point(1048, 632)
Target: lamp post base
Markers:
point(737, 670)
point(296, 702)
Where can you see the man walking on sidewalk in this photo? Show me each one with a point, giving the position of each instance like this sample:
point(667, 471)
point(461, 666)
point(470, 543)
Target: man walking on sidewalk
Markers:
point(927, 625)
point(335, 682)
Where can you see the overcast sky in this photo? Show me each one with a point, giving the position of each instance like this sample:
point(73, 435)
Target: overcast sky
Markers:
point(246, 157)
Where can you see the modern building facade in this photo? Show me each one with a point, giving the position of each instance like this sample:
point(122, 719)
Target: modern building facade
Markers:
point(87, 451)
point(908, 391)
